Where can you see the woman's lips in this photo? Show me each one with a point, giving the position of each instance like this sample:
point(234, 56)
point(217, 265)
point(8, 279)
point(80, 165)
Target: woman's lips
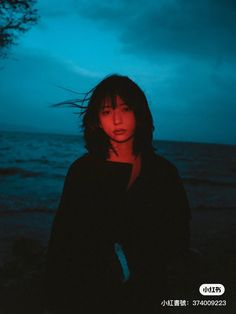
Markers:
point(119, 131)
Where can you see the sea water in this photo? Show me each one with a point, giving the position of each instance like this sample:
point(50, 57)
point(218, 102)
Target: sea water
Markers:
point(33, 167)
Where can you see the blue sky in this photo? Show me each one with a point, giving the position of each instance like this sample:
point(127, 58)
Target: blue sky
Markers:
point(181, 53)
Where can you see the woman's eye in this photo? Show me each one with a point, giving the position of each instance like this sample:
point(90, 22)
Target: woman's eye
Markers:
point(125, 109)
point(106, 112)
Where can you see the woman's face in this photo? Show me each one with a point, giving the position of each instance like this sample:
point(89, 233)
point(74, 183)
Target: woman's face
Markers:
point(119, 122)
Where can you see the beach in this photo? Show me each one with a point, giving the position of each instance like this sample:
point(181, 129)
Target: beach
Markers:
point(33, 167)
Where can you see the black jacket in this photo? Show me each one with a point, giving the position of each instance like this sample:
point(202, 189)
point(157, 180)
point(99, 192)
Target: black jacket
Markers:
point(150, 221)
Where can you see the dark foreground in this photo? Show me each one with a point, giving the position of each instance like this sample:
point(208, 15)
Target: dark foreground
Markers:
point(212, 261)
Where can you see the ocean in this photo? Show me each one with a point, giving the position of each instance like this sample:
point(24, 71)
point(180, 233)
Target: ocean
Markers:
point(33, 167)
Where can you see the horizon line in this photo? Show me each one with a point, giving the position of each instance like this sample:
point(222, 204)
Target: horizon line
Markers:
point(81, 135)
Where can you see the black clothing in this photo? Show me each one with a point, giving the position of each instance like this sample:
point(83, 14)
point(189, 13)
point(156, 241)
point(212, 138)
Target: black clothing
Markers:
point(150, 221)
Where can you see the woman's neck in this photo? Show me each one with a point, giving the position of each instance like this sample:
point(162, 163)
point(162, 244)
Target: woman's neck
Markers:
point(123, 152)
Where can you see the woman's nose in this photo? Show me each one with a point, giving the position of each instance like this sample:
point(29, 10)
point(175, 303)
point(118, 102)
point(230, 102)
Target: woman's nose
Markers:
point(117, 116)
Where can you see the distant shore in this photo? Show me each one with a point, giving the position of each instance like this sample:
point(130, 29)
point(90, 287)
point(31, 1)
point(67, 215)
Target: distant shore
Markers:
point(78, 133)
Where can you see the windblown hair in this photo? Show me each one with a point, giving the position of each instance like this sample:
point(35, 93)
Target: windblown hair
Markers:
point(97, 142)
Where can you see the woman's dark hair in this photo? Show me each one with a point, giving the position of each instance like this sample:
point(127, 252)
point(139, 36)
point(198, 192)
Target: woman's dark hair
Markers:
point(96, 140)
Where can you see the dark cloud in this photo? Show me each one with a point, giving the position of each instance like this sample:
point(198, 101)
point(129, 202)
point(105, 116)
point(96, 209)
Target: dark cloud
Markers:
point(203, 28)
point(55, 8)
point(201, 88)
point(194, 42)
point(195, 102)
point(187, 68)
point(29, 85)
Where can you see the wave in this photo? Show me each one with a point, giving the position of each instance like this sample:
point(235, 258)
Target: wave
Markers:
point(12, 171)
point(37, 160)
point(183, 159)
point(196, 181)
point(23, 173)
point(206, 207)
point(28, 210)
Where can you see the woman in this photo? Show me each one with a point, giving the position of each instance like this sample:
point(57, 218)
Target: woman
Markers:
point(123, 214)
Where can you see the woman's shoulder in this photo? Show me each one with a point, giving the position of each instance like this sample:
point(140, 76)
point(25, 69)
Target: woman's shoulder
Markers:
point(161, 163)
point(81, 164)
point(80, 170)
point(81, 161)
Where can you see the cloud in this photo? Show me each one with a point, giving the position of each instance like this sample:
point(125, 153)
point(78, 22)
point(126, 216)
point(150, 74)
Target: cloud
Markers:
point(200, 29)
point(191, 48)
point(194, 102)
point(29, 85)
point(181, 53)
point(82, 71)
point(55, 8)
